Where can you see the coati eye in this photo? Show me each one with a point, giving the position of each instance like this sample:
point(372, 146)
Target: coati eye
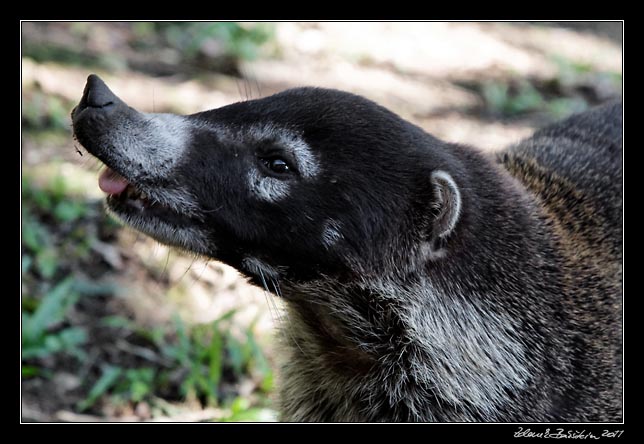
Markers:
point(276, 165)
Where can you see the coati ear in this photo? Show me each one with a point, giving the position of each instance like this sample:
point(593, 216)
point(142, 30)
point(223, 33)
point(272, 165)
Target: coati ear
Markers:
point(447, 204)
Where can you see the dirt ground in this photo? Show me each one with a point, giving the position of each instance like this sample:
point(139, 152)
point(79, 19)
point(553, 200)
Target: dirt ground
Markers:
point(433, 74)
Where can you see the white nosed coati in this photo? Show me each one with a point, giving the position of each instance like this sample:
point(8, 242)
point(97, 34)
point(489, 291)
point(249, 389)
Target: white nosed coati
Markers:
point(423, 280)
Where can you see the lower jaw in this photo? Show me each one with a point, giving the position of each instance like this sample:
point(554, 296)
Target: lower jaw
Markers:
point(144, 210)
point(175, 233)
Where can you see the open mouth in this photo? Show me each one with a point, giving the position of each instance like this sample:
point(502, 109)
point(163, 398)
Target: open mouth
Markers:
point(136, 205)
point(153, 213)
point(122, 195)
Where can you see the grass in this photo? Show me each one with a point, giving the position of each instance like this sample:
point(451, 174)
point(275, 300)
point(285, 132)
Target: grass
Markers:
point(43, 206)
point(65, 304)
point(575, 87)
point(45, 112)
point(50, 218)
point(40, 337)
point(201, 364)
point(500, 99)
point(511, 99)
point(200, 45)
point(236, 40)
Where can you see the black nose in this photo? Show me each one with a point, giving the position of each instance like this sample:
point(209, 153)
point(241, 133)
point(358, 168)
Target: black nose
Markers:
point(97, 94)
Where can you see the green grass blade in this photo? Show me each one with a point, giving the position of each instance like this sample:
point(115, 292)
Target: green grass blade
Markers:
point(105, 382)
point(50, 311)
point(215, 367)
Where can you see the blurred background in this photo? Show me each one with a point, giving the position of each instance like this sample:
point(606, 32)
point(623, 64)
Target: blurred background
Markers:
point(116, 327)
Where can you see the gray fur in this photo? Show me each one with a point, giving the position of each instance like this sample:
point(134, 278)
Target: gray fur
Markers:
point(331, 233)
point(463, 356)
point(264, 188)
point(422, 280)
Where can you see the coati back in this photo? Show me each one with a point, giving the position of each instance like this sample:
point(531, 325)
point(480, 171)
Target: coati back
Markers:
point(574, 169)
point(424, 281)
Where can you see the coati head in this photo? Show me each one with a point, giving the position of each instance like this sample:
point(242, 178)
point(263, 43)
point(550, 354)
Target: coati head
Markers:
point(305, 183)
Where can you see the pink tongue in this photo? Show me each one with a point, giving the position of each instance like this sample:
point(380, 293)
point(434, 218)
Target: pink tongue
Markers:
point(111, 182)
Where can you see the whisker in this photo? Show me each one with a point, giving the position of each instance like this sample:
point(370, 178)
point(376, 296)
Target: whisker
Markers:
point(247, 89)
point(187, 269)
point(279, 289)
point(153, 253)
point(274, 314)
point(250, 75)
point(238, 88)
point(276, 287)
point(165, 265)
point(261, 275)
point(245, 85)
point(198, 277)
point(259, 91)
point(282, 323)
point(270, 300)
